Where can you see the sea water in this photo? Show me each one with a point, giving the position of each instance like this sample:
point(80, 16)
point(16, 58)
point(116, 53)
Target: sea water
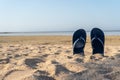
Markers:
point(69, 33)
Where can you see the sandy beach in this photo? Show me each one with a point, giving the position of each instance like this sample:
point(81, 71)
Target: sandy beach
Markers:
point(51, 58)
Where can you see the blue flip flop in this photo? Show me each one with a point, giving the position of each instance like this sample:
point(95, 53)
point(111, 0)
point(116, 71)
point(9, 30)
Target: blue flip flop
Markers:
point(79, 40)
point(97, 41)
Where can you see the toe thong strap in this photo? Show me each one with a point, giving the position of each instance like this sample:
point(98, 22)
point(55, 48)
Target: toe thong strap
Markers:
point(79, 42)
point(98, 40)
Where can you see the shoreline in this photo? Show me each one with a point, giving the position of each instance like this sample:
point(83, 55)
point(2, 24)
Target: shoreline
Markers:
point(57, 33)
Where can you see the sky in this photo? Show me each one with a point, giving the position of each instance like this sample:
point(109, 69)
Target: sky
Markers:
point(58, 15)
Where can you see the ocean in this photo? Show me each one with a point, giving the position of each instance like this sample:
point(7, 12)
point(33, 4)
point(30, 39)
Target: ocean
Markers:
point(69, 33)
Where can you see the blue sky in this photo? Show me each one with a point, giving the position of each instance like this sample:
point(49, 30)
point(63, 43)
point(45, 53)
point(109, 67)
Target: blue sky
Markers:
point(58, 15)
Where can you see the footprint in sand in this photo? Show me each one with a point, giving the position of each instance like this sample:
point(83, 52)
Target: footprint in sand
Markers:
point(42, 75)
point(61, 69)
point(67, 68)
point(32, 62)
point(55, 68)
point(28, 75)
point(17, 74)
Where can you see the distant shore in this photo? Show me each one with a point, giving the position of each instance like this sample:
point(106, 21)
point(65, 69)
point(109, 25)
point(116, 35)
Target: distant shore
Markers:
point(40, 33)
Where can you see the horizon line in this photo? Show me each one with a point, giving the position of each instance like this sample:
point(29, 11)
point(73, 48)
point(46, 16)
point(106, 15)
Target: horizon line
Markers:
point(51, 31)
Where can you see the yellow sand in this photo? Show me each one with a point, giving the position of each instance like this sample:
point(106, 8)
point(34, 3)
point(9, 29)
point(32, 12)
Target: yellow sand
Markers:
point(51, 58)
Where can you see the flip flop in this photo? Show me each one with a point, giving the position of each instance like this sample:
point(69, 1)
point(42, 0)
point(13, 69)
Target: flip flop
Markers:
point(79, 40)
point(97, 41)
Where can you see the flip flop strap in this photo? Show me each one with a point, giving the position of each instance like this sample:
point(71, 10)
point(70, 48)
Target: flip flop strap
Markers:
point(98, 39)
point(78, 40)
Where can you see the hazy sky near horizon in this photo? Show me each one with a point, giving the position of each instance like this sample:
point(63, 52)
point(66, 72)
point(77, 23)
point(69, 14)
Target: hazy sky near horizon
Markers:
point(58, 15)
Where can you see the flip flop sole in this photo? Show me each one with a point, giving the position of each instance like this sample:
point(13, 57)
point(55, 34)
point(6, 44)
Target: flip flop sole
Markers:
point(79, 40)
point(97, 41)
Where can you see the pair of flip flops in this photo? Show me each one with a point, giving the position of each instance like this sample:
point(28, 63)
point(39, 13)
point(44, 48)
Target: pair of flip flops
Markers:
point(97, 41)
